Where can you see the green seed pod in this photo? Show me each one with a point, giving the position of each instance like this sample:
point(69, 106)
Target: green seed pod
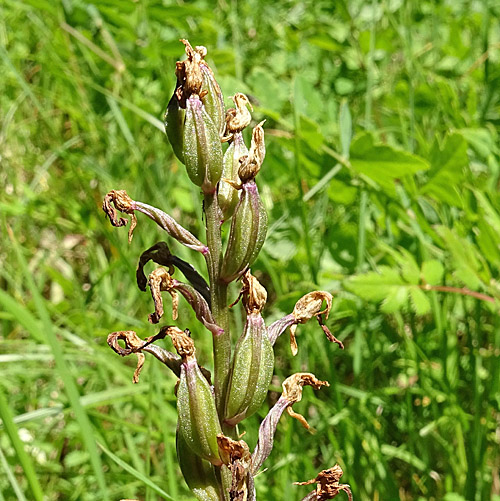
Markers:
point(247, 234)
point(212, 97)
point(251, 373)
point(198, 420)
point(227, 195)
point(202, 147)
point(198, 473)
point(174, 125)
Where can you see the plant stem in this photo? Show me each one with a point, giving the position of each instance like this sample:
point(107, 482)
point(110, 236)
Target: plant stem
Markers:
point(459, 290)
point(218, 296)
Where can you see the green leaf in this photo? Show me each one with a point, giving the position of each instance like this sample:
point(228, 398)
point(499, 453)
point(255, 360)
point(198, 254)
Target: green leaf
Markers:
point(433, 272)
point(453, 496)
point(419, 301)
point(410, 270)
point(375, 286)
point(447, 172)
point(481, 140)
point(470, 268)
point(382, 163)
point(396, 300)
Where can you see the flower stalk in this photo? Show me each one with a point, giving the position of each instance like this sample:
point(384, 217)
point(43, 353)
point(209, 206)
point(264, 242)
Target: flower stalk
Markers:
point(216, 464)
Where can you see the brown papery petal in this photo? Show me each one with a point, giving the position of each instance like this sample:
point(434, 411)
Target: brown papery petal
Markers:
point(160, 280)
point(231, 450)
point(310, 305)
point(237, 118)
point(328, 485)
point(292, 391)
point(251, 163)
point(183, 343)
point(253, 292)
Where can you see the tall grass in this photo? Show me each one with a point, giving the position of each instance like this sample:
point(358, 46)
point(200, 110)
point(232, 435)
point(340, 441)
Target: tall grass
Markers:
point(413, 407)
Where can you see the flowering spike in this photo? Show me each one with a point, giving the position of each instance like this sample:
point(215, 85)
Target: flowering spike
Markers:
point(218, 467)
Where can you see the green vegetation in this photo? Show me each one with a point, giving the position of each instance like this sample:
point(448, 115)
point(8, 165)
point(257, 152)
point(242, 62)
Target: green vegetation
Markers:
point(381, 183)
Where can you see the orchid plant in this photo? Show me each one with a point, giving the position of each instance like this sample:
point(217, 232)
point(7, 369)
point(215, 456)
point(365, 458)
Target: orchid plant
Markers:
point(215, 462)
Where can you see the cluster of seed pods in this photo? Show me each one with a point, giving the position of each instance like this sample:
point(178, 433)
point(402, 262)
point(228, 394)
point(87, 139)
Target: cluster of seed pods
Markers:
point(215, 463)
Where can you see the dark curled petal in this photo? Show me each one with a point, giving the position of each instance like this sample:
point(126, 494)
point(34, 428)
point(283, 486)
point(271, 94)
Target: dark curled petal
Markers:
point(160, 254)
point(193, 277)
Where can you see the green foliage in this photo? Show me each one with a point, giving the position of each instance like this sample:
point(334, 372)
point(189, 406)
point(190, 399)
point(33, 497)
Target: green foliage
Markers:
point(381, 177)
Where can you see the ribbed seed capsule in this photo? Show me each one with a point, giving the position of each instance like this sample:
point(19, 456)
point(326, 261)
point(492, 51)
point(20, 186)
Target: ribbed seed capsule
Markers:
point(227, 196)
point(251, 373)
point(212, 97)
point(174, 125)
point(247, 234)
point(198, 421)
point(198, 473)
point(202, 147)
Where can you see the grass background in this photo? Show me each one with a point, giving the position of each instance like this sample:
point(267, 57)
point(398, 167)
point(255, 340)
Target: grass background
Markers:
point(381, 178)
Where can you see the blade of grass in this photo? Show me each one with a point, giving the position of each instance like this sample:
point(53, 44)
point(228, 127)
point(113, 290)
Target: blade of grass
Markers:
point(92, 400)
point(137, 474)
point(124, 102)
point(12, 479)
point(22, 315)
point(298, 176)
point(62, 368)
point(22, 455)
point(117, 65)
